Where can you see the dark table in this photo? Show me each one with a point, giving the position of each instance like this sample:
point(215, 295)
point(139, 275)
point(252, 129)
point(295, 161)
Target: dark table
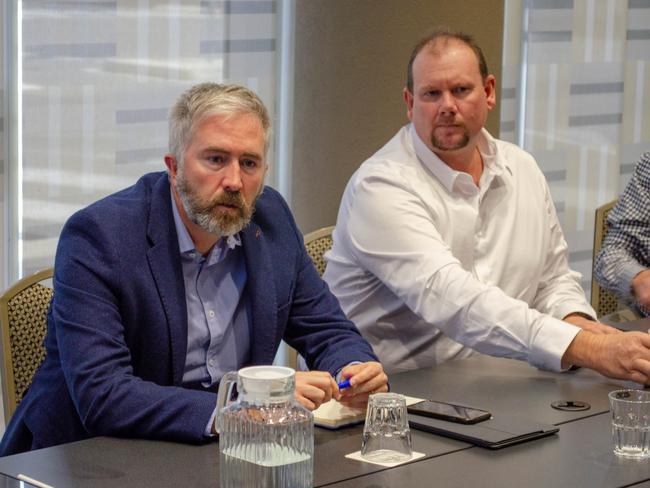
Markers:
point(11, 482)
point(505, 386)
point(580, 455)
point(639, 325)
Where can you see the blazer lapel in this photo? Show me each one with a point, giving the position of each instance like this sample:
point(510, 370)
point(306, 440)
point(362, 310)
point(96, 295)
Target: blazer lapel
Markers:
point(165, 264)
point(260, 288)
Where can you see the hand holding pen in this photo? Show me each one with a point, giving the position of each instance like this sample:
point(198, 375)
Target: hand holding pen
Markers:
point(313, 388)
point(361, 380)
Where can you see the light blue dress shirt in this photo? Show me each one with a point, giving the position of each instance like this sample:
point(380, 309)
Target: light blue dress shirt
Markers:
point(218, 336)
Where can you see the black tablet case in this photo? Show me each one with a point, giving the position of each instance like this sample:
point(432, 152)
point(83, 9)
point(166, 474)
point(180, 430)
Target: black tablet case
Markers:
point(494, 433)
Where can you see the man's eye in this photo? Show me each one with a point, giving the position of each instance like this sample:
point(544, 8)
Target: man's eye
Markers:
point(459, 90)
point(432, 94)
point(216, 159)
point(249, 163)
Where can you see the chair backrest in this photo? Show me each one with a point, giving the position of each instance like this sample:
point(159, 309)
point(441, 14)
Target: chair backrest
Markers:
point(317, 244)
point(23, 320)
point(603, 301)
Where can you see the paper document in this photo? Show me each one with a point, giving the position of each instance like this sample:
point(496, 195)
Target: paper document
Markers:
point(333, 414)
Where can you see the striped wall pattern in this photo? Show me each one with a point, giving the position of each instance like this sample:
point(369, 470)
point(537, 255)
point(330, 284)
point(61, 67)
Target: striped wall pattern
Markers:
point(576, 94)
point(99, 77)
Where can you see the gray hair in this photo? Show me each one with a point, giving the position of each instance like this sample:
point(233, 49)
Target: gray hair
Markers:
point(208, 99)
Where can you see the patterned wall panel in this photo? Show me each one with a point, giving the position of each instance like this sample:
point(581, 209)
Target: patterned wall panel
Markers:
point(579, 85)
point(636, 101)
point(99, 77)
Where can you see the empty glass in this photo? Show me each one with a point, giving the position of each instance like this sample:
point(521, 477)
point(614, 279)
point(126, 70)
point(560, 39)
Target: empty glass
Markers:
point(631, 423)
point(386, 434)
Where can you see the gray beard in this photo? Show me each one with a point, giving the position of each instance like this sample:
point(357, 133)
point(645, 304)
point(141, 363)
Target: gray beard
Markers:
point(208, 217)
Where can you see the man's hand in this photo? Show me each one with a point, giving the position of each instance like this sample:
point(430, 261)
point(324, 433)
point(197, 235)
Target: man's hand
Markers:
point(590, 325)
point(641, 288)
point(314, 388)
point(365, 379)
point(623, 356)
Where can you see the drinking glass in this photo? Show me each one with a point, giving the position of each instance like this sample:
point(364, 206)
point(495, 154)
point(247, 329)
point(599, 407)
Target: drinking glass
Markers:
point(386, 434)
point(631, 423)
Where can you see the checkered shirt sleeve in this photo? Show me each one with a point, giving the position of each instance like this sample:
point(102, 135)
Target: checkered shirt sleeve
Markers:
point(626, 249)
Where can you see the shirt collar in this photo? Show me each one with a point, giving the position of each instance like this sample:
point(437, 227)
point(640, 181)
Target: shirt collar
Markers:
point(185, 242)
point(454, 180)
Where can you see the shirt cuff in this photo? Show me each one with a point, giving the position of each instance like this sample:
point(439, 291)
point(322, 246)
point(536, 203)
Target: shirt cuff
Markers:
point(627, 271)
point(581, 308)
point(208, 428)
point(554, 336)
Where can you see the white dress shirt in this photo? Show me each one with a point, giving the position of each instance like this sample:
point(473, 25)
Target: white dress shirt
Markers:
point(427, 264)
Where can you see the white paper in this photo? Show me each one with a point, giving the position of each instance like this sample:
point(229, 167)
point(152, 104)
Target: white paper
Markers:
point(357, 457)
point(333, 414)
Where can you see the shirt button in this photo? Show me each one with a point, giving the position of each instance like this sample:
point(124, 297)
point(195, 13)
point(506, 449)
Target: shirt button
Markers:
point(192, 254)
point(211, 362)
point(211, 313)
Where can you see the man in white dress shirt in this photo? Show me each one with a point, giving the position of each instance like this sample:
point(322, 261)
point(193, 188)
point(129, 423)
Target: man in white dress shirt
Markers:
point(447, 240)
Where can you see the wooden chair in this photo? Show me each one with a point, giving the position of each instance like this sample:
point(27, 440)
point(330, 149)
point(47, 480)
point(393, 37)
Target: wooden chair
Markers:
point(23, 320)
point(603, 301)
point(317, 244)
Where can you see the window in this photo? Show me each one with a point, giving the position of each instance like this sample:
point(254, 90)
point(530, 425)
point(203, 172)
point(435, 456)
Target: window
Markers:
point(95, 83)
point(576, 94)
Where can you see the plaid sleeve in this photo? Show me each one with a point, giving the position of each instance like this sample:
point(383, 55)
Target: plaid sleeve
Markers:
point(626, 249)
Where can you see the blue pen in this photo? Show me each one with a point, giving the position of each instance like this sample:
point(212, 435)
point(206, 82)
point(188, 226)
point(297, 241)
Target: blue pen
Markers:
point(344, 384)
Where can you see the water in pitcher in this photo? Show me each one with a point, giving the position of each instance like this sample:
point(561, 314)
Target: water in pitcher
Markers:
point(288, 468)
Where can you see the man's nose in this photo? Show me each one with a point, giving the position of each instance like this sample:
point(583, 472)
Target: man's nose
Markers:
point(447, 104)
point(232, 178)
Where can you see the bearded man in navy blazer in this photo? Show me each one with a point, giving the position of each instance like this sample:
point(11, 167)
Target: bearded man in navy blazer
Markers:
point(163, 287)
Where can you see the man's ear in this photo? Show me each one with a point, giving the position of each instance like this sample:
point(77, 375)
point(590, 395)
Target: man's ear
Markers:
point(172, 167)
point(490, 91)
point(408, 98)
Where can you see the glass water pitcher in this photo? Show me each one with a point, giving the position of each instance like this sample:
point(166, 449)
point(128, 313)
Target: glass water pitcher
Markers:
point(266, 438)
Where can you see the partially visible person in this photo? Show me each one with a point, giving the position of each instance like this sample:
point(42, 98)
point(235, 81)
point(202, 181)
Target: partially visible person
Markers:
point(163, 287)
point(447, 240)
point(623, 264)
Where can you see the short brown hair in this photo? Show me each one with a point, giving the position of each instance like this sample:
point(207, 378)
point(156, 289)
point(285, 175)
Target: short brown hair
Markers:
point(445, 33)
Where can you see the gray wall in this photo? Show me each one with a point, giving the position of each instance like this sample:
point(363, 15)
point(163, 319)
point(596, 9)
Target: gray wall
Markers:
point(350, 65)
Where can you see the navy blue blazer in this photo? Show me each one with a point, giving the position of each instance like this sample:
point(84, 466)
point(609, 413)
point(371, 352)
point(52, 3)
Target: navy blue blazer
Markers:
point(117, 327)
